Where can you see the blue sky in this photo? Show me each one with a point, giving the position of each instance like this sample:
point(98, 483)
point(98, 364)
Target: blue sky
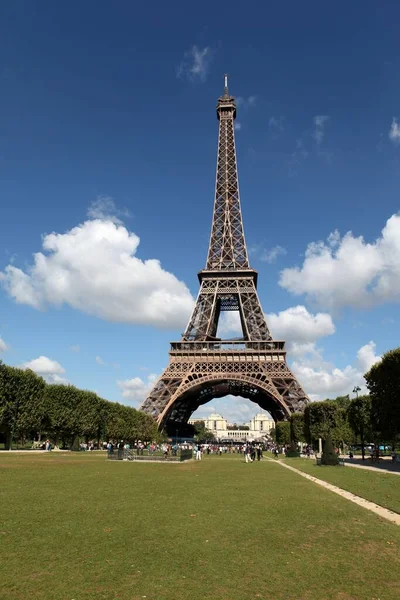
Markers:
point(107, 162)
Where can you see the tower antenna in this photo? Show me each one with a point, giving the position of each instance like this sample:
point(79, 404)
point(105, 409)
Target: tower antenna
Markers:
point(226, 92)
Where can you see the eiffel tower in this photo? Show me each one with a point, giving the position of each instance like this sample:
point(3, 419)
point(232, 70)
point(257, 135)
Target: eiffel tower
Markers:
point(202, 366)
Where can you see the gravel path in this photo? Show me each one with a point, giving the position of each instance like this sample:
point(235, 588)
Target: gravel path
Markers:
point(379, 510)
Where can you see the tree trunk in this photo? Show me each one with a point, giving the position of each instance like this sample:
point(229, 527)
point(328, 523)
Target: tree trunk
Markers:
point(362, 444)
point(8, 440)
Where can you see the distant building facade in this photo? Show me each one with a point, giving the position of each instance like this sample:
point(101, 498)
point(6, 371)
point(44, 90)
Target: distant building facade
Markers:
point(259, 427)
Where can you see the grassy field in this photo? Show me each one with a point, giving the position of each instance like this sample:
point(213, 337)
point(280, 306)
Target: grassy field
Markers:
point(382, 488)
point(76, 527)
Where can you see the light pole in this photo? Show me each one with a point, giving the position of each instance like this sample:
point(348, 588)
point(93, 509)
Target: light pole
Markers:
point(356, 389)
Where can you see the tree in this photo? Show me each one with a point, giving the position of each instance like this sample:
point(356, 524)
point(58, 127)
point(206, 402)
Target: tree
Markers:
point(202, 433)
point(359, 415)
point(327, 418)
point(343, 401)
point(90, 415)
point(205, 436)
point(297, 428)
point(21, 402)
point(383, 382)
point(28, 404)
point(283, 433)
point(146, 426)
point(62, 412)
point(119, 425)
point(272, 434)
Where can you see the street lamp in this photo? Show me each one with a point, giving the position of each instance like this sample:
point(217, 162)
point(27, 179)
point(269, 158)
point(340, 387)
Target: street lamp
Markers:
point(356, 389)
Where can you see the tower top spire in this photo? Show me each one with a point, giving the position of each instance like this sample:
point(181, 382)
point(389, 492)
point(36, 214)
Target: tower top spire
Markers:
point(226, 91)
point(226, 102)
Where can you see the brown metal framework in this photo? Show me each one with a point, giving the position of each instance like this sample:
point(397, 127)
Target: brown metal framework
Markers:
point(202, 366)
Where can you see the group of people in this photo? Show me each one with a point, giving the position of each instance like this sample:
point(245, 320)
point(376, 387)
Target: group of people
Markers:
point(251, 452)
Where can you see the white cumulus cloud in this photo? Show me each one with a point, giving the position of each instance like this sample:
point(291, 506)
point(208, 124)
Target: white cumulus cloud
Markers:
point(49, 369)
point(276, 123)
point(323, 380)
point(394, 133)
point(299, 328)
point(195, 64)
point(136, 389)
point(246, 102)
point(93, 268)
point(3, 345)
point(100, 361)
point(319, 127)
point(349, 271)
point(271, 255)
point(105, 209)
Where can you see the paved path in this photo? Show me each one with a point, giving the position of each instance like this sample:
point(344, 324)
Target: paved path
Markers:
point(381, 468)
point(379, 510)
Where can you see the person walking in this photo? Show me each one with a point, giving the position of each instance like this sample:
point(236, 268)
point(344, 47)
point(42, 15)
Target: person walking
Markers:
point(258, 453)
point(198, 452)
point(247, 454)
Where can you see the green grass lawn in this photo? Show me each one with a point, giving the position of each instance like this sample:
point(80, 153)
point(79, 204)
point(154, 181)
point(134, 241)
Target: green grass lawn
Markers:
point(380, 487)
point(76, 527)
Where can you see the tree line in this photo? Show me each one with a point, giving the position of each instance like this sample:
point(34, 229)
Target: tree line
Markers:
point(372, 418)
point(32, 409)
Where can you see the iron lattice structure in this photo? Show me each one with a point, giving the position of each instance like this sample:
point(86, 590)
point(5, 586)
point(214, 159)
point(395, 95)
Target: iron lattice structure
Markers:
point(202, 366)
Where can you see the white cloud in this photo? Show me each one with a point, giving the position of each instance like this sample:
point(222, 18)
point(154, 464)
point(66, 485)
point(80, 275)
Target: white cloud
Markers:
point(44, 365)
point(246, 102)
point(50, 369)
point(3, 345)
point(348, 271)
point(299, 328)
point(276, 124)
point(75, 349)
point(323, 380)
point(319, 127)
point(93, 268)
point(394, 133)
point(105, 209)
point(195, 64)
point(238, 126)
point(271, 255)
point(100, 361)
point(229, 324)
point(366, 356)
point(299, 155)
point(56, 379)
point(136, 389)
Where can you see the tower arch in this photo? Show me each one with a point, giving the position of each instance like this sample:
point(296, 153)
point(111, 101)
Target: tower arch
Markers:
point(200, 390)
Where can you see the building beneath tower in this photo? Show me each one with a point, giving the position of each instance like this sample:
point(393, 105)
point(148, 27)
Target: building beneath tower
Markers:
point(258, 427)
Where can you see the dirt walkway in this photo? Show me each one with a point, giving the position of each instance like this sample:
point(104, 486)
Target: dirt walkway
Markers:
point(379, 510)
point(378, 469)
